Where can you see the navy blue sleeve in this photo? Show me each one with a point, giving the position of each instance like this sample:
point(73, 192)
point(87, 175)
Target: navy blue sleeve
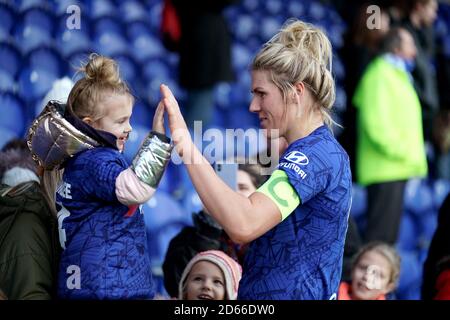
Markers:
point(102, 167)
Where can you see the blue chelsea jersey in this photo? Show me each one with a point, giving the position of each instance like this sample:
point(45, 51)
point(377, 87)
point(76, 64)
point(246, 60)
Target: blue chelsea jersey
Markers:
point(301, 257)
point(104, 242)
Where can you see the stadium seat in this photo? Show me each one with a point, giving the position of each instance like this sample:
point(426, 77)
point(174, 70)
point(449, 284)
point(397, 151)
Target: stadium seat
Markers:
point(47, 59)
point(440, 188)
point(132, 10)
point(408, 233)
point(410, 276)
point(101, 8)
point(427, 225)
point(7, 82)
point(128, 68)
point(144, 44)
point(273, 7)
point(10, 58)
point(418, 197)
point(8, 18)
point(142, 115)
point(61, 7)
point(135, 140)
point(246, 26)
point(269, 27)
point(162, 209)
point(192, 202)
point(35, 83)
point(12, 113)
point(6, 135)
point(359, 201)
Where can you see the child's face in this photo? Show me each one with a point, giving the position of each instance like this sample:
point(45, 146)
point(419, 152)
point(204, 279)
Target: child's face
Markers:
point(205, 282)
point(371, 276)
point(117, 108)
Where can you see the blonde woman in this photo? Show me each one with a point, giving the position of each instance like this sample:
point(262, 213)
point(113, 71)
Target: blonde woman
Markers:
point(296, 222)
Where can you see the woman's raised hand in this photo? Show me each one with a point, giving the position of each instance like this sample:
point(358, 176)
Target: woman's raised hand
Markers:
point(178, 128)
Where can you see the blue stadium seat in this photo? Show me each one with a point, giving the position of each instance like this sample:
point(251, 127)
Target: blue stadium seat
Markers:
point(418, 197)
point(241, 57)
point(132, 10)
point(142, 115)
point(246, 26)
point(359, 201)
point(408, 233)
point(109, 37)
point(192, 202)
point(35, 83)
point(128, 68)
point(135, 140)
point(316, 11)
point(7, 17)
point(101, 8)
point(250, 5)
point(144, 44)
point(12, 112)
point(47, 59)
point(441, 188)
point(30, 38)
point(296, 8)
point(427, 225)
point(72, 41)
point(156, 69)
point(410, 276)
point(273, 7)
point(154, 9)
point(10, 58)
point(161, 210)
point(7, 82)
point(6, 135)
point(269, 27)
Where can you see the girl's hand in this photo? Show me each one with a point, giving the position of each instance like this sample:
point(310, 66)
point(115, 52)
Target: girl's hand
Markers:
point(178, 128)
point(158, 119)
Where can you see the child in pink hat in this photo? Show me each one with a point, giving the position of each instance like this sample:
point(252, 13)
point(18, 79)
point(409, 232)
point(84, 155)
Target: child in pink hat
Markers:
point(210, 275)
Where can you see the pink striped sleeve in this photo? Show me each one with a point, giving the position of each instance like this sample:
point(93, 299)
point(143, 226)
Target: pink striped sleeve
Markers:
point(130, 190)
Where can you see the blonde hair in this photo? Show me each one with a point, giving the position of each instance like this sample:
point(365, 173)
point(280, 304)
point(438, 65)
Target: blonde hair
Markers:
point(300, 52)
point(101, 77)
point(386, 251)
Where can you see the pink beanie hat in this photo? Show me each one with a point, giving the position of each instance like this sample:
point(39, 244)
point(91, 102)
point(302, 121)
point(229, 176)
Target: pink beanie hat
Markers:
point(231, 270)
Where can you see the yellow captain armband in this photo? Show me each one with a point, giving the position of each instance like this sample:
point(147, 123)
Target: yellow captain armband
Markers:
point(281, 192)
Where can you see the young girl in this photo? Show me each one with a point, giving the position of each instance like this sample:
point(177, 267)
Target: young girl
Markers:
point(102, 230)
point(375, 273)
point(210, 275)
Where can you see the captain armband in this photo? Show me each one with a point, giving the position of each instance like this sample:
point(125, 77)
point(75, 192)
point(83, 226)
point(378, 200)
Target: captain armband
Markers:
point(281, 192)
point(152, 158)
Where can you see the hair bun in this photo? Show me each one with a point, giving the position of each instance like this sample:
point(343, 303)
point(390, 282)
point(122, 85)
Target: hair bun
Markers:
point(101, 69)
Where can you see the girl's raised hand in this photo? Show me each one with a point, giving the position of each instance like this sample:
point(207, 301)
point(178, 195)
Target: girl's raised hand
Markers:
point(158, 119)
point(178, 128)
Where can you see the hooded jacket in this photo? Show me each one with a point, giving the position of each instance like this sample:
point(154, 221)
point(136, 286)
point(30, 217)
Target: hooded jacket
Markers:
point(29, 248)
point(105, 244)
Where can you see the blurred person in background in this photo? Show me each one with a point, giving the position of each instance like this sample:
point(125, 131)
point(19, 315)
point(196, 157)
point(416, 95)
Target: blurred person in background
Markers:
point(390, 145)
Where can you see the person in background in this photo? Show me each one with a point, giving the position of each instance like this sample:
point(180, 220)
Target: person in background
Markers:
point(29, 249)
point(210, 275)
point(375, 273)
point(390, 146)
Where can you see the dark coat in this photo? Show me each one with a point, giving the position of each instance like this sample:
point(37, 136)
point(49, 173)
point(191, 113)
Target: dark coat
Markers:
point(205, 44)
point(29, 246)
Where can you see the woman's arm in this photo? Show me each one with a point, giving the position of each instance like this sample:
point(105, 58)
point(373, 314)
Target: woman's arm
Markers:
point(244, 219)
